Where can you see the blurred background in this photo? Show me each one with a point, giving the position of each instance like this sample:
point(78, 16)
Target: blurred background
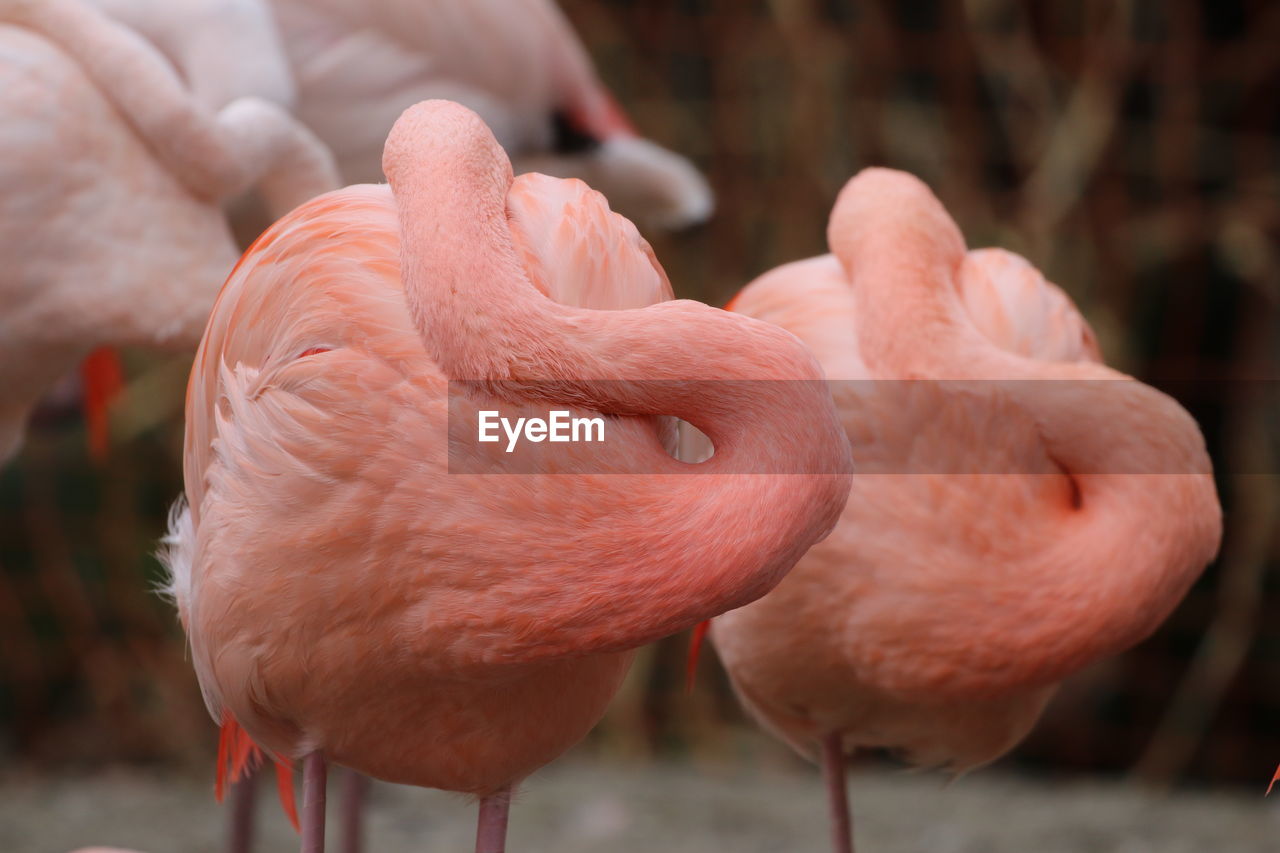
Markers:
point(1131, 150)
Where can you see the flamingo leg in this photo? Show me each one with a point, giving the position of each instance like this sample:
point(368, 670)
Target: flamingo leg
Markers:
point(240, 835)
point(837, 796)
point(355, 790)
point(313, 790)
point(491, 830)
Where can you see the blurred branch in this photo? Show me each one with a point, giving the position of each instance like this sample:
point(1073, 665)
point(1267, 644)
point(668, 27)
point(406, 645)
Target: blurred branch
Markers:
point(1221, 653)
point(1012, 58)
point(1079, 137)
point(1251, 535)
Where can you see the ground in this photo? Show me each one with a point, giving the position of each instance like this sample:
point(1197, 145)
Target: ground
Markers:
point(579, 806)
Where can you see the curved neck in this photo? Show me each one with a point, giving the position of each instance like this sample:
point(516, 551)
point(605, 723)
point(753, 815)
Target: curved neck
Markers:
point(483, 320)
point(903, 254)
point(137, 80)
point(1145, 519)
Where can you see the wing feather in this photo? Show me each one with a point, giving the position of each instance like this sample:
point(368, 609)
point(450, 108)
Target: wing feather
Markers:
point(579, 252)
point(1018, 309)
point(302, 299)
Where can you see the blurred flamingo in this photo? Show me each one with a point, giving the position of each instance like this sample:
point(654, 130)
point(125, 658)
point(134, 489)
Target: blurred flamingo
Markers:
point(349, 594)
point(222, 49)
point(112, 177)
point(999, 536)
point(350, 67)
point(517, 63)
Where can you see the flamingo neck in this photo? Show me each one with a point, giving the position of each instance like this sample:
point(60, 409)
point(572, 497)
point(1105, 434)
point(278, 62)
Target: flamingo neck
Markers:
point(903, 256)
point(483, 320)
point(717, 542)
point(1128, 545)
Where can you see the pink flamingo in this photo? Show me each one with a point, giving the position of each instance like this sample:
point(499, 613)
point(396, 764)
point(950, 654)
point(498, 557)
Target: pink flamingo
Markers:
point(1000, 535)
point(517, 63)
point(350, 67)
point(224, 50)
point(347, 598)
point(112, 228)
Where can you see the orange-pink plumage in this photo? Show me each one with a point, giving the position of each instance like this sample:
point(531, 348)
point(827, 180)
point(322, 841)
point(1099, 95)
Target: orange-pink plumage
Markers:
point(347, 594)
point(1019, 509)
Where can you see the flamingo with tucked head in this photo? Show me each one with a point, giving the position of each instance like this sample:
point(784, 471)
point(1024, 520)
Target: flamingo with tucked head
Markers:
point(1020, 510)
point(357, 586)
point(113, 174)
point(348, 68)
point(517, 63)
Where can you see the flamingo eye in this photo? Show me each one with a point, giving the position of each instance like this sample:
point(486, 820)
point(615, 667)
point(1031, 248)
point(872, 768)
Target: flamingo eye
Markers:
point(568, 136)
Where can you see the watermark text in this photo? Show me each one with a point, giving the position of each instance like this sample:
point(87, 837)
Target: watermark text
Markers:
point(560, 426)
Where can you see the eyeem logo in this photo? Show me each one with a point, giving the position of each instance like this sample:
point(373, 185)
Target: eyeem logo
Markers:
point(558, 427)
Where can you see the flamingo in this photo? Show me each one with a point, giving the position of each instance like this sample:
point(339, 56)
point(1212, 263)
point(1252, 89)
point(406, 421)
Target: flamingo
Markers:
point(223, 49)
point(361, 583)
point(517, 63)
point(350, 67)
point(113, 175)
point(1001, 534)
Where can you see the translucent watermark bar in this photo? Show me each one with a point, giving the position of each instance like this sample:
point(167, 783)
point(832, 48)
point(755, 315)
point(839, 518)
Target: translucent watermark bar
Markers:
point(894, 427)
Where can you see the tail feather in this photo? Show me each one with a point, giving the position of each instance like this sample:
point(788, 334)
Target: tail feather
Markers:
point(224, 748)
point(1274, 780)
point(238, 756)
point(284, 786)
point(695, 648)
point(103, 380)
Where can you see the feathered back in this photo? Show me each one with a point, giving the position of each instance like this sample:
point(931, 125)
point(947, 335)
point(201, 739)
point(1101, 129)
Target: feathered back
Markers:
point(579, 252)
point(263, 328)
point(573, 247)
point(1012, 303)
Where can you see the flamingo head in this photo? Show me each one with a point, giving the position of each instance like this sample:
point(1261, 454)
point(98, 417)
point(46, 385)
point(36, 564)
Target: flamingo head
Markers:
point(642, 180)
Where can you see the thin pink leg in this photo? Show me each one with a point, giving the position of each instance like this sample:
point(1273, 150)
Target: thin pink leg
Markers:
point(837, 796)
point(313, 784)
point(491, 831)
point(355, 790)
point(240, 834)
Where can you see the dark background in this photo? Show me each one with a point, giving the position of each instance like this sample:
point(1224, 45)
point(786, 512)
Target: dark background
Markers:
point(1129, 149)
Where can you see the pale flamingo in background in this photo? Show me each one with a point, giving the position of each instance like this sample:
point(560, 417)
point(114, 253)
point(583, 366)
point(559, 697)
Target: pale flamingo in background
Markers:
point(996, 538)
point(222, 128)
point(350, 67)
point(223, 49)
point(359, 63)
point(346, 597)
point(112, 177)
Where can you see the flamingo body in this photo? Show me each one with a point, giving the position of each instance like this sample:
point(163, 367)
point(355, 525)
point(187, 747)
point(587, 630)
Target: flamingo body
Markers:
point(343, 592)
point(105, 246)
point(329, 277)
point(223, 49)
point(1002, 532)
point(113, 177)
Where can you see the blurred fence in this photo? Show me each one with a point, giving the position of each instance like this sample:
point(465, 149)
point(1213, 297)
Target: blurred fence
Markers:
point(1129, 149)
